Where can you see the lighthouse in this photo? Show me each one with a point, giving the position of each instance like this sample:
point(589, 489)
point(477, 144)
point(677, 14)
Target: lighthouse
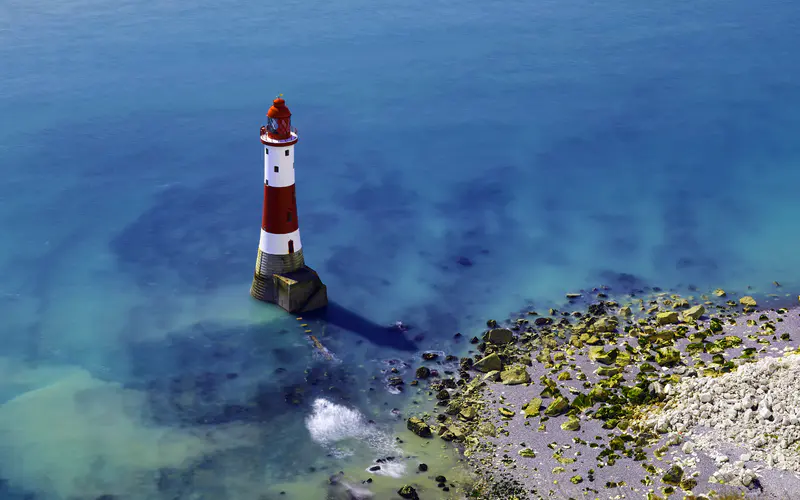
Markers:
point(281, 275)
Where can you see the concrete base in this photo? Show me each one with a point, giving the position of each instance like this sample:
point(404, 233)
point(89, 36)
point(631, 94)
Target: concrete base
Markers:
point(296, 291)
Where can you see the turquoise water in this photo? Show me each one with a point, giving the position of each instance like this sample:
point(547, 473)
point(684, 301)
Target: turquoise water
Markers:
point(550, 146)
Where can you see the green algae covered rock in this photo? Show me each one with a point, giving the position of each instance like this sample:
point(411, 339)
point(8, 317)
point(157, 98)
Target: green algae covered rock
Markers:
point(527, 453)
point(419, 427)
point(604, 324)
point(532, 408)
point(572, 424)
point(499, 336)
point(668, 356)
point(489, 363)
point(667, 318)
point(408, 492)
point(694, 312)
point(515, 375)
point(597, 353)
point(559, 406)
point(748, 301)
point(598, 394)
point(673, 476)
point(506, 412)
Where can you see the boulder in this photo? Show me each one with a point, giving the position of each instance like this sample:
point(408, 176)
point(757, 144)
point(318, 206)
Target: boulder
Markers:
point(419, 427)
point(748, 301)
point(499, 336)
point(694, 312)
point(558, 407)
point(489, 363)
point(408, 492)
point(515, 375)
point(667, 318)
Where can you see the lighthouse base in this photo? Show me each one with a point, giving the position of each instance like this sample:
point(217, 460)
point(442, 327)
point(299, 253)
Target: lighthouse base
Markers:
point(296, 291)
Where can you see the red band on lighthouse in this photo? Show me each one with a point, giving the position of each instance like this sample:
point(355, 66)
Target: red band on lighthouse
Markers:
point(280, 210)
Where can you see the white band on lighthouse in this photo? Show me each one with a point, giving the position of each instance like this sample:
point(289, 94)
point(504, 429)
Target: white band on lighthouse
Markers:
point(278, 166)
point(278, 244)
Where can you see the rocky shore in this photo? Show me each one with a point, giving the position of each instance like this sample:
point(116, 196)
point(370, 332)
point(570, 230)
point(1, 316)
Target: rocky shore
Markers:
point(624, 397)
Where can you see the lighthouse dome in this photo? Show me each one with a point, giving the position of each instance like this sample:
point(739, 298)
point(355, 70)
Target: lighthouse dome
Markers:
point(279, 109)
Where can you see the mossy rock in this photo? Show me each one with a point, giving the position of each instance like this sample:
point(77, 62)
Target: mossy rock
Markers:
point(408, 492)
point(604, 324)
point(582, 402)
point(668, 356)
point(748, 301)
point(527, 453)
point(719, 292)
point(468, 413)
point(608, 371)
point(515, 375)
point(694, 312)
point(423, 372)
point(599, 394)
point(419, 427)
point(559, 406)
point(499, 336)
point(667, 318)
point(533, 408)
point(673, 476)
point(489, 363)
point(506, 412)
point(572, 424)
point(597, 353)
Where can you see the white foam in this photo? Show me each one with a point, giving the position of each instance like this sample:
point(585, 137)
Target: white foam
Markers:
point(391, 469)
point(331, 423)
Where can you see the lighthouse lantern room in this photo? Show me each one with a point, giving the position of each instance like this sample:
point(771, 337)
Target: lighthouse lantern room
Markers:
point(281, 276)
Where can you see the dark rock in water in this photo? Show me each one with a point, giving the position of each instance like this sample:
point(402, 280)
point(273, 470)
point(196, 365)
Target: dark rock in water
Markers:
point(419, 427)
point(395, 381)
point(423, 467)
point(375, 468)
point(423, 372)
point(429, 356)
point(474, 340)
point(491, 323)
point(457, 335)
point(440, 479)
point(408, 492)
point(464, 261)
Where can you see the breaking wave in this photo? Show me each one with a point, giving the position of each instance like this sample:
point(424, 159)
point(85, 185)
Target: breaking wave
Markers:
point(333, 426)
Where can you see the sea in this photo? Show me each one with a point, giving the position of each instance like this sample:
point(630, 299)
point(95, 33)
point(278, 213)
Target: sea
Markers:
point(457, 162)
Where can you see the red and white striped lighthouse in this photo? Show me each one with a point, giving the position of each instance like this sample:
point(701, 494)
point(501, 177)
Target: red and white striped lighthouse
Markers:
point(281, 275)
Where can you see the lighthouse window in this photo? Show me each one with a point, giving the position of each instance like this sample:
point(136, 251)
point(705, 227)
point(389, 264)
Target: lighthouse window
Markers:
point(287, 152)
point(289, 217)
point(266, 151)
point(276, 168)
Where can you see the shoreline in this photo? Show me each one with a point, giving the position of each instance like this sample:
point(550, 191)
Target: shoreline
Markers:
point(565, 447)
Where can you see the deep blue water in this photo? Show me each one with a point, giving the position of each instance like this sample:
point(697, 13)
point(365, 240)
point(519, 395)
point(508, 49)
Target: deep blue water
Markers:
point(550, 145)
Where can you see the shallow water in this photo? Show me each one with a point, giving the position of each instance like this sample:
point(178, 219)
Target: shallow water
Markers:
point(456, 162)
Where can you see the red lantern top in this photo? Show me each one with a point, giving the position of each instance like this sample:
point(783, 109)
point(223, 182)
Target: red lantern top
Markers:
point(279, 109)
point(279, 121)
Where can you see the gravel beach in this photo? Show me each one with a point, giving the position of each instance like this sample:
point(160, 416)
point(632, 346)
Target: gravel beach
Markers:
point(644, 414)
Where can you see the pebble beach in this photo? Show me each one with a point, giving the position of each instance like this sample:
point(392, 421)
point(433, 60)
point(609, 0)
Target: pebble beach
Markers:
point(659, 396)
